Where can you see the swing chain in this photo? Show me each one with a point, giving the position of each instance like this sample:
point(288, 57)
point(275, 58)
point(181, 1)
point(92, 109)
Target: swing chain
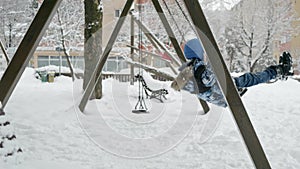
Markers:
point(140, 106)
point(183, 13)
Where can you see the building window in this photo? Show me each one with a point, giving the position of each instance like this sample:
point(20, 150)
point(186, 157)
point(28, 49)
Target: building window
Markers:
point(43, 61)
point(115, 64)
point(159, 63)
point(54, 60)
point(77, 62)
point(117, 13)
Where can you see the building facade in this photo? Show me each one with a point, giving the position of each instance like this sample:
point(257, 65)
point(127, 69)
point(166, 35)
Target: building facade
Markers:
point(46, 55)
point(50, 54)
point(290, 42)
point(111, 13)
point(295, 42)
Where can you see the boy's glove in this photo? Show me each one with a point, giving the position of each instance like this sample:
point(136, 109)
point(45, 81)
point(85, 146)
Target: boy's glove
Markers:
point(186, 72)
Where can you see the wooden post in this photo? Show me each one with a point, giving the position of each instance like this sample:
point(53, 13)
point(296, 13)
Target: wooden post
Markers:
point(174, 42)
point(169, 30)
point(90, 87)
point(227, 85)
point(26, 49)
point(156, 56)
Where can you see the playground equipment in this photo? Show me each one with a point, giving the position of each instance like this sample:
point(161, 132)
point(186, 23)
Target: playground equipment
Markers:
point(203, 31)
point(150, 93)
point(140, 106)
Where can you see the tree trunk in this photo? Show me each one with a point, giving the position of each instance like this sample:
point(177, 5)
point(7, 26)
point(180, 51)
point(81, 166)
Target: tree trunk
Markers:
point(252, 67)
point(93, 43)
point(251, 51)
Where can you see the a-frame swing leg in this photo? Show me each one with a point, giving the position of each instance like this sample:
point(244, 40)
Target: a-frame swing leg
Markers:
point(26, 48)
point(227, 85)
point(169, 30)
point(174, 42)
point(91, 85)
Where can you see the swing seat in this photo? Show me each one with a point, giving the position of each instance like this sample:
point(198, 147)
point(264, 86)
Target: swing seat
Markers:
point(140, 111)
point(140, 106)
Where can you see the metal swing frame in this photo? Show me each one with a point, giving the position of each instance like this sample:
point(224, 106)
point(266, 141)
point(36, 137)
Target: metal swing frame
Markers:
point(42, 19)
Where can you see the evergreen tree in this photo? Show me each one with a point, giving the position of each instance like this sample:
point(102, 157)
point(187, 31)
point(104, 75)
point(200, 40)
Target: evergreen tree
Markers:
point(8, 146)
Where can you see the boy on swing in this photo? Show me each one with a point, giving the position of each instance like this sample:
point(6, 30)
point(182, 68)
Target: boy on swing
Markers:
point(196, 71)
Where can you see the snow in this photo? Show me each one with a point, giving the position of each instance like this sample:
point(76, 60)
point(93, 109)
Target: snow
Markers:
point(53, 68)
point(173, 135)
point(166, 70)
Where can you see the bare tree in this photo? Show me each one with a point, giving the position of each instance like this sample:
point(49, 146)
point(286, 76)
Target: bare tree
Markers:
point(68, 26)
point(63, 43)
point(15, 18)
point(255, 25)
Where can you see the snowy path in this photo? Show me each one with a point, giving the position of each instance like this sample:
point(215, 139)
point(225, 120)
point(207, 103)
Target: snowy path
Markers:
point(47, 128)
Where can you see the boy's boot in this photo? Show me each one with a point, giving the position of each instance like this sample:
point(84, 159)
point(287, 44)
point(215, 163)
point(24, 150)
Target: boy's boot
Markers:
point(285, 66)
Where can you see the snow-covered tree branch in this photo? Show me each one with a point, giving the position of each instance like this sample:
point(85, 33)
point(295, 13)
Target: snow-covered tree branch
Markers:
point(255, 26)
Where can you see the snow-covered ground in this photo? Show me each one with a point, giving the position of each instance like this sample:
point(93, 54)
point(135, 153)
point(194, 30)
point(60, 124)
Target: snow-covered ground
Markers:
point(173, 135)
